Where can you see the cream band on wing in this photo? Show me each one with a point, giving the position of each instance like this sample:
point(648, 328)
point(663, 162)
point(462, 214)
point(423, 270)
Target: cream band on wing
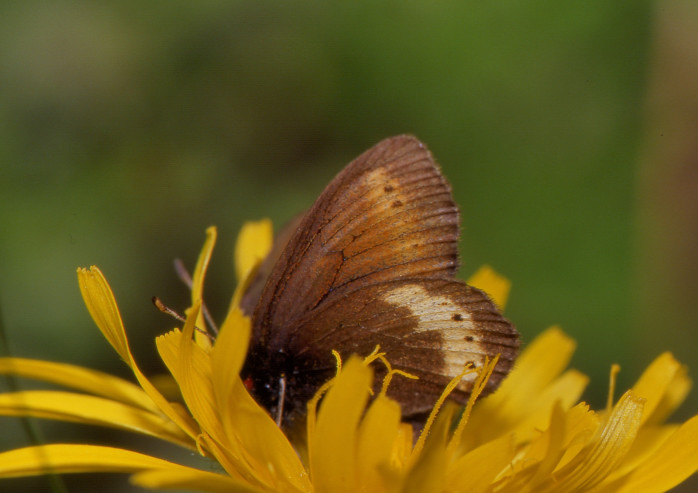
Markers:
point(454, 324)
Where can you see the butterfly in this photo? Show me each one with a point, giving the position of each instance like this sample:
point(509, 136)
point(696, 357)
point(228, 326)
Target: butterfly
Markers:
point(371, 263)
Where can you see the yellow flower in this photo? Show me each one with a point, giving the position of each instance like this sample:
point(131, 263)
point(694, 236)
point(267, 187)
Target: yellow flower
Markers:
point(532, 435)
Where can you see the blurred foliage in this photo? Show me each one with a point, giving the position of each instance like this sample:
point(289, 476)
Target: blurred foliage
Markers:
point(127, 128)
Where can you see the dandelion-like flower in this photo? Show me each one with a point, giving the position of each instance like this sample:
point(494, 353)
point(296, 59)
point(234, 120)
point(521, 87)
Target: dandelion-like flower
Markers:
point(531, 435)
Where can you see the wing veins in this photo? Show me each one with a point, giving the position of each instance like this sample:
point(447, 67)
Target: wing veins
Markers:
point(351, 217)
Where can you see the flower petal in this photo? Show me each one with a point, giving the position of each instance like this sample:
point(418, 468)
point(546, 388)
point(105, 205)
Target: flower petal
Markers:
point(648, 440)
point(241, 416)
point(605, 451)
point(264, 444)
point(101, 304)
point(79, 378)
point(197, 279)
point(332, 446)
point(87, 409)
point(252, 447)
point(475, 471)
point(524, 399)
point(538, 365)
point(665, 384)
point(548, 449)
point(581, 425)
point(429, 470)
point(253, 245)
point(190, 365)
point(565, 391)
point(495, 285)
point(228, 356)
point(194, 479)
point(65, 458)
point(674, 461)
point(377, 435)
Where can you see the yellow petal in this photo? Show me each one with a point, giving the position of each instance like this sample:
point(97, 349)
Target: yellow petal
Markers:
point(253, 245)
point(232, 461)
point(193, 372)
point(92, 410)
point(228, 355)
point(548, 449)
point(64, 458)
point(495, 285)
point(475, 471)
point(538, 365)
point(193, 375)
point(674, 461)
point(581, 425)
point(190, 479)
point(101, 304)
point(264, 442)
point(530, 471)
point(402, 446)
point(605, 452)
point(241, 416)
point(429, 470)
point(565, 391)
point(190, 365)
point(665, 384)
point(648, 440)
point(79, 378)
point(525, 397)
point(252, 446)
point(332, 446)
point(197, 287)
point(261, 442)
point(378, 432)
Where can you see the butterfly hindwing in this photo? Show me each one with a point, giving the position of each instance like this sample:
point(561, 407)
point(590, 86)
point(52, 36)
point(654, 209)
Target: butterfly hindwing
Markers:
point(431, 328)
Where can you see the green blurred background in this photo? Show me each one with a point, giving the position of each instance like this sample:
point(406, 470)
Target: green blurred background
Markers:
point(567, 129)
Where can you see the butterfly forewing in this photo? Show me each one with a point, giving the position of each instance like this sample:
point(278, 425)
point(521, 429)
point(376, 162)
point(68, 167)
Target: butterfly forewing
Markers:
point(387, 215)
point(372, 263)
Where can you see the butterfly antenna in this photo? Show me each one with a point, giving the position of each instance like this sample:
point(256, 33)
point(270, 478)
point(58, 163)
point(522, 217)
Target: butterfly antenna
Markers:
point(172, 313)
point(185, 277)
point(282, 398)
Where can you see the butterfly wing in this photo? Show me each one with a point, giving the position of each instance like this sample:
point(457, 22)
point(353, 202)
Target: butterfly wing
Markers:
point(379, 243)
point(431, 328)
point(388, 214)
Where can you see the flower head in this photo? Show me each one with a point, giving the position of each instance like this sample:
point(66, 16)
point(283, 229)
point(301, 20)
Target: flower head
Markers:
point(533, 434)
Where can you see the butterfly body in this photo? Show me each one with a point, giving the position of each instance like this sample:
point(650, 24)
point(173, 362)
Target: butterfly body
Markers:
point(373, 263)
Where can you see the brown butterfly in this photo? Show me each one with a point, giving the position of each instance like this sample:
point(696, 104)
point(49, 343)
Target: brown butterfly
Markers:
point(373, 263)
